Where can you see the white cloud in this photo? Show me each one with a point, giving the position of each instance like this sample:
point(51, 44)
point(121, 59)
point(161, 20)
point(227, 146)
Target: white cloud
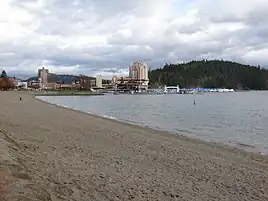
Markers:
point(105, 37)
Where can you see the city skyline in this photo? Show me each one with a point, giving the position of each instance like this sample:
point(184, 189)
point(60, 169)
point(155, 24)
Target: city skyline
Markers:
point(96, 37)
point(137, 79)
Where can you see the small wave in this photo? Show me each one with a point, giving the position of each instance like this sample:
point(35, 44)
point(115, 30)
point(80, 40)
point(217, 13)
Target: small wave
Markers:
point(179, 131)
point(109, 117)
point(263, 153)
point(245, 145)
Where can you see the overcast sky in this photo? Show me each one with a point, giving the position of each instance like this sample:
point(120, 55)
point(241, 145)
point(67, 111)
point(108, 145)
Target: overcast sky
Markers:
point(106, 36)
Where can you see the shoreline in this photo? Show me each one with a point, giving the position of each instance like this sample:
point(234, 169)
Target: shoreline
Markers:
point(55, 153)
point(68, 93)
point(238, 146)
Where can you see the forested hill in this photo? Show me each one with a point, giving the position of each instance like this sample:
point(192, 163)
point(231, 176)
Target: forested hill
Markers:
point(210, 74)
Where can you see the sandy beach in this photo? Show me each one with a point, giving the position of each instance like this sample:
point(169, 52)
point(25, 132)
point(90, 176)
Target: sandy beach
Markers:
point(50, 153)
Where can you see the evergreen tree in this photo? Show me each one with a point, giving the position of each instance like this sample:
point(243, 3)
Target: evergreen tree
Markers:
point(4, 74)
point(211, 73)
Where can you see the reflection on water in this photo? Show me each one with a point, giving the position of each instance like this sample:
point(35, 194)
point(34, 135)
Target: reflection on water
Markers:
point(239, 118)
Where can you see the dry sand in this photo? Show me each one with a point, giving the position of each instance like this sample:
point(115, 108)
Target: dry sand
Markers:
point(51, 153)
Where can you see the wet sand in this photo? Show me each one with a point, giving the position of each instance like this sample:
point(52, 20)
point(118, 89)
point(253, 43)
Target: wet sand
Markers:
point(52, 153)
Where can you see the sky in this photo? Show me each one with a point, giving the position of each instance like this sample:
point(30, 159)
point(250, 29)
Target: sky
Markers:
point(105, 37)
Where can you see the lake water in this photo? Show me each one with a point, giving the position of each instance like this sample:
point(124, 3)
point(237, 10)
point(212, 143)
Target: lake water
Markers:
point(239, 118)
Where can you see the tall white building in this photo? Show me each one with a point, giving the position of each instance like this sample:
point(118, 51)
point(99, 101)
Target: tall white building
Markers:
point(133, 72)
point(43, 77)
point(139, 72)
point(99, 81)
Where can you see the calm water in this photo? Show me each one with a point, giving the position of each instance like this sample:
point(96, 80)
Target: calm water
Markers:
point(239, 119)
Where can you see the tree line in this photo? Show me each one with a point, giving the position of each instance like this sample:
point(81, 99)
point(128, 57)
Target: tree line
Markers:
point(210, 74)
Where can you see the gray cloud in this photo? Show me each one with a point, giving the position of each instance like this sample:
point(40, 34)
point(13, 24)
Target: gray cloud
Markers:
point(105, 37)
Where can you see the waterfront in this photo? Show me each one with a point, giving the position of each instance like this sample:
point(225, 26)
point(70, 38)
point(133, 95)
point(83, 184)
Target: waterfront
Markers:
point(53, 153)
point(238, 119)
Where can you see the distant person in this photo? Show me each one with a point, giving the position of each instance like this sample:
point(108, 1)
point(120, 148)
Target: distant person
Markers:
point(194, 102)
point(20, 98)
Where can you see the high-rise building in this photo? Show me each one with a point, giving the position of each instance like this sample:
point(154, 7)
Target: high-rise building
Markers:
point(133, 72)
point(98, 81)
point(139, 71)
point(137, 79)
point(43, 77)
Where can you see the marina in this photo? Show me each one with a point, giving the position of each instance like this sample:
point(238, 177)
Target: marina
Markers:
point(168, 90)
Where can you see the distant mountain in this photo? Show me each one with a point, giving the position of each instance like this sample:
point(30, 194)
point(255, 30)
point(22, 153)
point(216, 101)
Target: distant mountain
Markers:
point(211, 74)
point(62, 79)
point(31, 79)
